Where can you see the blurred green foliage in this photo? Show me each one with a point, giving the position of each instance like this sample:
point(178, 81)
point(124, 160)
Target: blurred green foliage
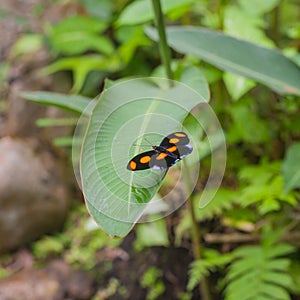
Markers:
point(261, 184)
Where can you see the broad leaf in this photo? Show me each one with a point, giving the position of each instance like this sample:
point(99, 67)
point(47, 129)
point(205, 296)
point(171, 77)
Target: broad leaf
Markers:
point(291, 168)
point(267, 66)
point(123, 116)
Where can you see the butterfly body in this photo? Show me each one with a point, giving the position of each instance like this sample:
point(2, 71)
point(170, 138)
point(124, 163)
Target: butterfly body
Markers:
point(171, 150)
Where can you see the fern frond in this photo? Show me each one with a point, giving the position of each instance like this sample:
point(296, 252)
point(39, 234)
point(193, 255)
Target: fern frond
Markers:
point(223, 200)
point(259, 272)
point(264, 186)
point(210, 263)
point(198, 270)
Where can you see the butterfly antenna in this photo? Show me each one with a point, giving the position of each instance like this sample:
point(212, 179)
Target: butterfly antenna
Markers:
point(143, 145)
point(149, 143)
point(138, 145)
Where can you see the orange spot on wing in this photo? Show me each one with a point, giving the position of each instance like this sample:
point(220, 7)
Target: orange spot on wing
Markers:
point(145, 159)
point(161, 156)
point(179, 134)
point(132, 165)
point(172, 149)
point(173, 140)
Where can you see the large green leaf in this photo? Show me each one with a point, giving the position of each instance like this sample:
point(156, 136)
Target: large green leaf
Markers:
point(124, 114)
point(267, 66)
point(291, 168)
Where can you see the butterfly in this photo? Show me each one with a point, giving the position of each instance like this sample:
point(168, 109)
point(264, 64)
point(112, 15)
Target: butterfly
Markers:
point(171, 150)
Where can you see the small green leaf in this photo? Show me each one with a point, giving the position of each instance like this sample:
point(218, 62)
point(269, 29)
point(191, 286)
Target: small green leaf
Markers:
point(223, 200)
point(240, 24)
point(77, 34)
point(241, 131)
point(194, 78)
point(27, 43)
point(102, 9)
point(291, 168)
point(258, 7)
point(237, 86)
point(151, 234)
point(74, 43)
point(65, 141)
point(141, 11)
point(79, 23)
point(82, 65)
point(72, 103)
point(49, 122)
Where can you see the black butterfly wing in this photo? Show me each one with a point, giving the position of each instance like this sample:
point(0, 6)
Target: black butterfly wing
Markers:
point(141, 161)
point(162, 161)
point(172, 149)
point(177, 138)
point(177, 143)
point(184, 150)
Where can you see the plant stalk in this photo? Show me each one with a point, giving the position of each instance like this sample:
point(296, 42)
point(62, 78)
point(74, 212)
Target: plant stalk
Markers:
point(166, 60)
point(163, 45)
point(275, 30)
point(196, 236)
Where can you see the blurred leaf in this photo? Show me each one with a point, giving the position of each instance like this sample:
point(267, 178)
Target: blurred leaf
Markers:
point(243, 131)
point(47, 122)
point(211, 261)
point(73, 43)
point(267, 66)
point(223, 200)
point(295, 273)
point(141, 11)
point(240, 24)
point(82, 65)
point(151, 234)
point(78, 34)
point(130, 38)
point(27, 43)
point(291, 168)
point(258, 7)
point(237, 86)
point(78, 23)
point(195, 79)
point(72, 103)
point(65, 141)
point(264, 186)
point(101, 9)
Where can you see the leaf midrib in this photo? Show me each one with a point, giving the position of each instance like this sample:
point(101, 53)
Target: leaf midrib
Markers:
point(151, 108)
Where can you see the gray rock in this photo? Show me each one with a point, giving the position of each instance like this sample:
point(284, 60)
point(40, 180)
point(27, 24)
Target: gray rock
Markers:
point(54, 282)
point(33, 192)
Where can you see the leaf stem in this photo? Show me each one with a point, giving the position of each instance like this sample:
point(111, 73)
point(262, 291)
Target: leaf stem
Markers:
point(163, 45)
point(276, 25)
point(196, 241)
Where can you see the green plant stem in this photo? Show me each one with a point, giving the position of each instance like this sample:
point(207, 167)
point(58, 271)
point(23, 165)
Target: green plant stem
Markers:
point(276, 25)
point(163, 45)
point(196, 241)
